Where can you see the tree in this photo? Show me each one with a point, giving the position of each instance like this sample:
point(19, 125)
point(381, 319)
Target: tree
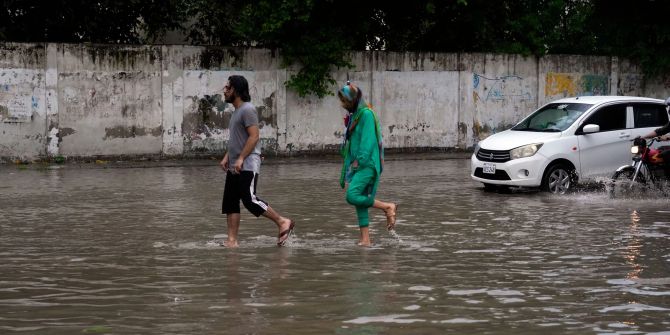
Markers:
point(318, 35)
point(634, 30)
point(102, 21)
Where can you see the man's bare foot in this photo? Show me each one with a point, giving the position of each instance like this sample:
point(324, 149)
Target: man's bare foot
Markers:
point(284, 224)
point(285, 231)
point(231, 244)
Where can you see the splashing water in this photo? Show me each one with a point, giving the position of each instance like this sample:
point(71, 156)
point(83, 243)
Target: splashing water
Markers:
point(395, 235)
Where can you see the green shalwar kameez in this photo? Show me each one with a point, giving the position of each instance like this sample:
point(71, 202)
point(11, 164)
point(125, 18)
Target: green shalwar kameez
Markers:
point(363, 145)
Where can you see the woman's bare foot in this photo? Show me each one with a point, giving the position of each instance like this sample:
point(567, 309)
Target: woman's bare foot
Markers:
point(231, 244)
point(364, 239)
point(391, 216)
point(364, 244)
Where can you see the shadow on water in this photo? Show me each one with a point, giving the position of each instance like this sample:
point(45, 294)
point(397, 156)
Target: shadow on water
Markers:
point(130, 251)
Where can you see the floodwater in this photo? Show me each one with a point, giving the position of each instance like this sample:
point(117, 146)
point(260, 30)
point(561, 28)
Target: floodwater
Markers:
point(98, 250)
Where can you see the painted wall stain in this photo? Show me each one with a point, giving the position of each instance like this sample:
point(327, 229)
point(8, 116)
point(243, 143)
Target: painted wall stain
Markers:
point(131, 132)
point(122, 56)
point(568, 85)
point(211, 58)
point(4, 112)
point(462, 134)
point(480, 131)
point(560, 84)
point(62, 132)
point(595, 84)
point(209, 115)
point(266, 113)
point(629, 84)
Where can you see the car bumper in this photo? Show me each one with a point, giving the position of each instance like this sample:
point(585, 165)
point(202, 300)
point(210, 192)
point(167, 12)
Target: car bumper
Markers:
point(525, 172)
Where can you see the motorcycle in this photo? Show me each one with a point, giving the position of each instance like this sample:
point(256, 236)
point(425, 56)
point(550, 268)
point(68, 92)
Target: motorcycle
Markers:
point(646, 172)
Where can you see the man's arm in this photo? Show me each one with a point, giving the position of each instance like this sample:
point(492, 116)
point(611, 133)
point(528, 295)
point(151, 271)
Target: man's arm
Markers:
point(659, 132)
point(254, 137)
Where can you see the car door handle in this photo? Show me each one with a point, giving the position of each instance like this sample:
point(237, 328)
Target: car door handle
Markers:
point(624, 135)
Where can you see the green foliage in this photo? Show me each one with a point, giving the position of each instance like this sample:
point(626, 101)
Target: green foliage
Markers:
point(315, 37)
point(634, 30)
point(101, 21)
point(307, 34)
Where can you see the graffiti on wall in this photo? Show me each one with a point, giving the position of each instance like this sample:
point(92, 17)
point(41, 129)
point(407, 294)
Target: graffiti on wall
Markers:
point(499, 103)
point(17, 105)
point(560, 85)
point(630, 84)
point(505, 88)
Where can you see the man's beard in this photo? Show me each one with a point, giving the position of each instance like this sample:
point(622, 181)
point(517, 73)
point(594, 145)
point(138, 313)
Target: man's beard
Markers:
point(229, 99)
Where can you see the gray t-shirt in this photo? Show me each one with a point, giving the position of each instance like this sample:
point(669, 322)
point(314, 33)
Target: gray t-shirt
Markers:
point(243, 117)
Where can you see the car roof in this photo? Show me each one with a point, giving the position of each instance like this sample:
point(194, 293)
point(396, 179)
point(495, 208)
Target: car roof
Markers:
point(600, 99)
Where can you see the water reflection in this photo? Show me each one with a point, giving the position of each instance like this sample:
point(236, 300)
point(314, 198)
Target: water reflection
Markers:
point(130, 251)
point(633, 247)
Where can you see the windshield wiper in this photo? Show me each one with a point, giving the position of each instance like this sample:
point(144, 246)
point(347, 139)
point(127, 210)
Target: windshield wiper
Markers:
point(551, 130)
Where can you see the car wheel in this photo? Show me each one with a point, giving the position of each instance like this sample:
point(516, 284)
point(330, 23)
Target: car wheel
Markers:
point(559, 179)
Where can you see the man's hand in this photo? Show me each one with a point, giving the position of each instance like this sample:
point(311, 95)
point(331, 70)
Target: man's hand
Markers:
point(224, 163)
point(238, 165)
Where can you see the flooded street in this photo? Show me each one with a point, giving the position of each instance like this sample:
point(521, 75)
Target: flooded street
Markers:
point(136, 251)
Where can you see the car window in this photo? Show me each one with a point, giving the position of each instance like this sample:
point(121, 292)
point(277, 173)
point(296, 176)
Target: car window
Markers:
point(611, 117)
point(649, 115)
point(553, 117)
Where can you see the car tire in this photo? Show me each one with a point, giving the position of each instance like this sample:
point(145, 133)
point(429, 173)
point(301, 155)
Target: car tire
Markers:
point(559, 179)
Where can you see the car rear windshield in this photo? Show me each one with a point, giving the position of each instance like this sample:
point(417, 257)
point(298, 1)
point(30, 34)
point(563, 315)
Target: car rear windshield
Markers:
point(553, 117)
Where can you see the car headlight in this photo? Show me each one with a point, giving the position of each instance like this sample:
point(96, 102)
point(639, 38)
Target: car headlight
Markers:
point(524, 151)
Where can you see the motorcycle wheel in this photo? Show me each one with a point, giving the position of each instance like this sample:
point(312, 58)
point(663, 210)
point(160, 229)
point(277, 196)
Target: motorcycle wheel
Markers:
point(622, 184)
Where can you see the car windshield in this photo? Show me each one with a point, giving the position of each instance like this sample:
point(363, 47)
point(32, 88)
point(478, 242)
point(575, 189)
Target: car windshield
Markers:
point(554, 117)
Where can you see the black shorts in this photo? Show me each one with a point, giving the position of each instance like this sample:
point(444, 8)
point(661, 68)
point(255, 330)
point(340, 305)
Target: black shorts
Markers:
point(242, 187)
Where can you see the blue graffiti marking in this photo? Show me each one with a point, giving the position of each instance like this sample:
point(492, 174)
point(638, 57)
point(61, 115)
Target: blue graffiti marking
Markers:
point(498, 91)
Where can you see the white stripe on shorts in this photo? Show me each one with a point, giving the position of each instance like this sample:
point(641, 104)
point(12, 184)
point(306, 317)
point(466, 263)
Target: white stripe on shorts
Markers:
point(255, 200)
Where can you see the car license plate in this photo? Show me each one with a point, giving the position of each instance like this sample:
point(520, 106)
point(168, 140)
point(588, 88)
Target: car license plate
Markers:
point(489, 168)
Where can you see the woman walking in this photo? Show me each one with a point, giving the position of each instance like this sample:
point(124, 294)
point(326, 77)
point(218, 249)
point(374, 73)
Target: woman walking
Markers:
point(363, 155)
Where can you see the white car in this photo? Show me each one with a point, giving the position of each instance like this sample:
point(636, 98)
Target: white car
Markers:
point(566, 141)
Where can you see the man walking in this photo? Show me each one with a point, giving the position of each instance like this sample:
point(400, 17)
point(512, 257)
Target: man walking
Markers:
point(242, 164)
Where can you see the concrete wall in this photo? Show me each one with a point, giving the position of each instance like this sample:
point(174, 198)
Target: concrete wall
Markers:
point(107, 100)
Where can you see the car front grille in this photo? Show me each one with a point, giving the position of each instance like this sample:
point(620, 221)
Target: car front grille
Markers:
point(499, 175)
point(496, 156)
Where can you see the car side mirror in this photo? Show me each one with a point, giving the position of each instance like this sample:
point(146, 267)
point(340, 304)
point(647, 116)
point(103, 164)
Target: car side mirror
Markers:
point(591, 128)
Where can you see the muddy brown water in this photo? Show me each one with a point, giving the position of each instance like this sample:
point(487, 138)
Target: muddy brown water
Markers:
point(136, 251)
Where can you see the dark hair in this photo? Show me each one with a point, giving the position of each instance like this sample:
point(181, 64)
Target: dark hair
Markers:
point(241, 87)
